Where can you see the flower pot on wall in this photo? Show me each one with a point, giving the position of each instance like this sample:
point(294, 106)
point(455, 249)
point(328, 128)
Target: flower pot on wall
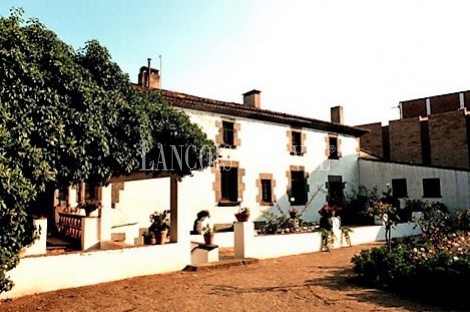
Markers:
point(242, 217)
point(161, 237)
point(150, 240)
point(209, 238)
point(293, 215)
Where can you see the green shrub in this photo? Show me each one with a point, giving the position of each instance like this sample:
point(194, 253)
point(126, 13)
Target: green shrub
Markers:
point(462, 220)
point(356, 203)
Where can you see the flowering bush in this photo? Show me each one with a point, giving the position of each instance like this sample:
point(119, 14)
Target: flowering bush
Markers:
point(160, 221)
point(431, 266)
point(328, 210)
point(244, 210)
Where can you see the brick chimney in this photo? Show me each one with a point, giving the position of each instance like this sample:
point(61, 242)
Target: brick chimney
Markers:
point(337, 115)
point(252, 98)
point(144, 77)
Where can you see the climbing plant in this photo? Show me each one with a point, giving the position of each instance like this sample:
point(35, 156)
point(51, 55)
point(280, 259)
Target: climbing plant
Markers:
point(68, 116)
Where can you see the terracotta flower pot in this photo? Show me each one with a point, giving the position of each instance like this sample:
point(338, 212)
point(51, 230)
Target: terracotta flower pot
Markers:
point(242, 217)
point(150, 240)
point(209, 238)
point(161, 237)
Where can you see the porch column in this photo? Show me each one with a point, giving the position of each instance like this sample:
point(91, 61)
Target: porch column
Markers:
point(174, 210)
point(244, 233)
point(106, 213)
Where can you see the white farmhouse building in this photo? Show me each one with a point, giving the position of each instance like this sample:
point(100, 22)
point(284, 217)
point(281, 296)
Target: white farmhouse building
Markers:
point(268, 159)
point(265, 157)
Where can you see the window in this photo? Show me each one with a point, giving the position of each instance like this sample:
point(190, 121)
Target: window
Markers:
point(228, 133)
point(335, 190)
point(229, 185)
point(298, 187)
point(87, 192)
point(266, 191)
point(333, 147)
point(399, 188)
point(432, 187)
point(296, 143)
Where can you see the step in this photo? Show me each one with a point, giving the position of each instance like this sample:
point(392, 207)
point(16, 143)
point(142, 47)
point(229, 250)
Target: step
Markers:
point(118, 237)
point(220, 265)
point(54, 241)
point(55, 250)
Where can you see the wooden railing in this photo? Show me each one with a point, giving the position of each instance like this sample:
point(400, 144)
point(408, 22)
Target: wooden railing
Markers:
point(70, 225)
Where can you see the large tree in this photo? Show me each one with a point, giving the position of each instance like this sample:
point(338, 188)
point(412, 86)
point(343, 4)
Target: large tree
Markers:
point(69, 116)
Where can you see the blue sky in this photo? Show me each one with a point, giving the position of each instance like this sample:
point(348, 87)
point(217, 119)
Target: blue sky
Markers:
point(305, 56)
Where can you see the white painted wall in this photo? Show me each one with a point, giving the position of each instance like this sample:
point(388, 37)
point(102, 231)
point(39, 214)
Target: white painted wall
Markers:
point(40, 274)
point(455, 185)
point(39, 246)
point(247, 245)
point(137, 201)
point(264, 150)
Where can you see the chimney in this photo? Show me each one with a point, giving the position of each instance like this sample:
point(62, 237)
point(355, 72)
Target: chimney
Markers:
point(252, 98)
point(144, 77)
point(337, 115)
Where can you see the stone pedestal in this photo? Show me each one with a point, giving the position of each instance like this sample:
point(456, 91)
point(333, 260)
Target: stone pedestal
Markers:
point(244, 233)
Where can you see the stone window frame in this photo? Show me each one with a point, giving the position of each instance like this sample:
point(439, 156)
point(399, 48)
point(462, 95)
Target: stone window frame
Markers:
point(217, 184)
point(289, 183)
point(219, 138)
point(338, 146)
point(303, 139)
point(259, 197)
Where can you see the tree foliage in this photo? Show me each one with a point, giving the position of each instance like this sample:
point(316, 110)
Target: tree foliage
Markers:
point(68, 116)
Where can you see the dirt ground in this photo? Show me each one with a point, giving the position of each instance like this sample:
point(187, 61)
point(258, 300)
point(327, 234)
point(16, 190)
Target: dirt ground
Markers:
point(312, 282)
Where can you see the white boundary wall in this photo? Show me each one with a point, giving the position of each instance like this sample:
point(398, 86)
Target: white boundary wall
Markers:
point(247, 245)
point(41, 274)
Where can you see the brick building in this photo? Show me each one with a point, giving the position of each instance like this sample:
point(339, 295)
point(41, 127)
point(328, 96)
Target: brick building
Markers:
point(431, 131)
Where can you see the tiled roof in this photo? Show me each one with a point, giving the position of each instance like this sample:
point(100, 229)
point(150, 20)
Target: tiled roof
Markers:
point(188, 101)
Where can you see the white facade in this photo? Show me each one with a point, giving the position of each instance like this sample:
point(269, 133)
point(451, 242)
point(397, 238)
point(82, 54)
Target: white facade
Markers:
point(263, 150)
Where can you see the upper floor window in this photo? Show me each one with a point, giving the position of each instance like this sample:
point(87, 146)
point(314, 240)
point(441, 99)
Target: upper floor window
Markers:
point(228, 133)
point(296, 145)
point(399, 188)
point(432, 187)
point(333, 148)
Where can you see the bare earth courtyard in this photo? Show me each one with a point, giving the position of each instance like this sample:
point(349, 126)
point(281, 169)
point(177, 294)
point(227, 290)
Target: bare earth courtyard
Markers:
point(311, 282)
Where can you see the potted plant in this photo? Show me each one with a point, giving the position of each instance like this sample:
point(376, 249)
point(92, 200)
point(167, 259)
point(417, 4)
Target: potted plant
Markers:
point(294, 213)
point(90, 206)
point(329, 211)
point(243, 214)
point(208, 233)
point(160, 225)
point(149, 238)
